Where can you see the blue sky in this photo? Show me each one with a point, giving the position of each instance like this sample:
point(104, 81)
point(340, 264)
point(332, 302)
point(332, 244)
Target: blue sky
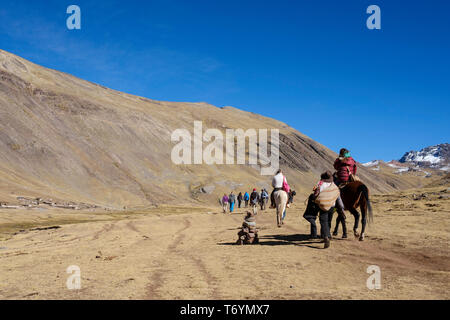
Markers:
point(311, 64)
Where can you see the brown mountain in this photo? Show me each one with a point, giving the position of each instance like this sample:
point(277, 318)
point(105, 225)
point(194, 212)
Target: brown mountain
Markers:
point(65, 138)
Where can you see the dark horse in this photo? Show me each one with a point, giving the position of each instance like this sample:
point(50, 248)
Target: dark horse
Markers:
point(356, 194)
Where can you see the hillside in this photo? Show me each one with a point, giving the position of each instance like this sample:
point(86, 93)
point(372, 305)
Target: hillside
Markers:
point(71, 140)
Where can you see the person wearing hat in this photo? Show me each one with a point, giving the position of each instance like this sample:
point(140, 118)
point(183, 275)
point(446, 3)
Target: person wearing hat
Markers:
point(325, 194)
point(345, 166)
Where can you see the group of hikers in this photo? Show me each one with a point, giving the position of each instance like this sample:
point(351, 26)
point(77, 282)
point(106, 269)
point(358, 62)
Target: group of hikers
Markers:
point(254, 199)
point(323, 201)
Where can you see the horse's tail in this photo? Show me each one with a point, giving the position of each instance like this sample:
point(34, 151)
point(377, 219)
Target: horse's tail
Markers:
point(365, 192)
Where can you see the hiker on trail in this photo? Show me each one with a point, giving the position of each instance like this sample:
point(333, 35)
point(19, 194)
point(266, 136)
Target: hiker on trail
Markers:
point(325, 194)
point(279, 182)
point(239, 198)
point(232, 201)
point(246, 199)
point(291, 195)
point(264, 197)
point(345, 167)
point(254, 199)
point(225, 203)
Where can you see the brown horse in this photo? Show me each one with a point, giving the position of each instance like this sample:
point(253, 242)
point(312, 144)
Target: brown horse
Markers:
point(356, 194)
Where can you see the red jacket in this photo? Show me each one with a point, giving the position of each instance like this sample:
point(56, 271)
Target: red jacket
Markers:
point(341, 165)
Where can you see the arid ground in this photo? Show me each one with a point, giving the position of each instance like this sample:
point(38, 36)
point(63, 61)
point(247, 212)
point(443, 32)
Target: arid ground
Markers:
point(189, 253)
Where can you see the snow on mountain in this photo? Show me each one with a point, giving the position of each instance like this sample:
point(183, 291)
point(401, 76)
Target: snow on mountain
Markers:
point(433, 156)
point(371, 163)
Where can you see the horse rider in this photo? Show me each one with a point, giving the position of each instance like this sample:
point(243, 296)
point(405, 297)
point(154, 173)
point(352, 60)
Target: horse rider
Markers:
point(279, 182)
point(345, 166)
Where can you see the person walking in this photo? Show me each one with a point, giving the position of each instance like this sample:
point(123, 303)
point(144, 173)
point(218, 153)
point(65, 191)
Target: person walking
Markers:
point(264, 199)
point(326, 193)
point(254, 199)
point(232, 201)
point(246, 199)
point(239, 199)
point(225, 203)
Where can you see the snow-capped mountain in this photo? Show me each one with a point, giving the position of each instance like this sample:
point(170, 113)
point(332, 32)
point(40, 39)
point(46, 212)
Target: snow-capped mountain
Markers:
point(426, 162)
point(437, 157)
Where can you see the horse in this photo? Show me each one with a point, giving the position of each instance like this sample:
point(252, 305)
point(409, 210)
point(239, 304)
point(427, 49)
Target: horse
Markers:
point(281, 199)
point(356, 194)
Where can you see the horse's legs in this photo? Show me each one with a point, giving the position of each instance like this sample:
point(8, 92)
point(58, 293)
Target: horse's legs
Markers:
point(363, 222)
point(355, 213)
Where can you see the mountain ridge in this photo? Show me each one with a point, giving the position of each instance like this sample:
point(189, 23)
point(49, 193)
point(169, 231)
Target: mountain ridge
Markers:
point(72, 139)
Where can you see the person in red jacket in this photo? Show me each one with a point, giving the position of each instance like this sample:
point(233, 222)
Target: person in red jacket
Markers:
point(344, 165)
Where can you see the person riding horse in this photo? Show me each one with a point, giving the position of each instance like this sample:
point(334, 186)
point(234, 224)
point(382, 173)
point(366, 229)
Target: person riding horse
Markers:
point(345, 167)
point(279, 196)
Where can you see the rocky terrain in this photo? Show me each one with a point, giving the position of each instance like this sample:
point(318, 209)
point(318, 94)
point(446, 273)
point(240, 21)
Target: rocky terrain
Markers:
point(83, 144)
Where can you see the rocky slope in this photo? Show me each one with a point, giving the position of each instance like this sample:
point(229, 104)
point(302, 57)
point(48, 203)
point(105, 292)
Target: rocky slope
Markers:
point(71, 140)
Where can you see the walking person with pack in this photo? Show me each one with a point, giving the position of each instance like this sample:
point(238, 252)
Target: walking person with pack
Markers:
point(232, 201)
point(246, 199)
point(325, 194)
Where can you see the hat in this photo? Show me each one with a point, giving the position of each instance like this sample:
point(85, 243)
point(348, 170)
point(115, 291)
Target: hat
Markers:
point(254, 189)
point(326, 177)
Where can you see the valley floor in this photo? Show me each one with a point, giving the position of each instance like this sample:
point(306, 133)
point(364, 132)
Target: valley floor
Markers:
point(189, 253)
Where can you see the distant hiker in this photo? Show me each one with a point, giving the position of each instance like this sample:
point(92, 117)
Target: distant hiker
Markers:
point(345, 167)
point(248, 233)
point(246, 199)
point(291, 195)
point(254, 199)
point(240, 198)
point(232, 201)
point(225, 203)
point(279, 182)
point(326, 193)
point(264, 197)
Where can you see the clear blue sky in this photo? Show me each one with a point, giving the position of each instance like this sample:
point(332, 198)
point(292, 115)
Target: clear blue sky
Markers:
point(311, 64)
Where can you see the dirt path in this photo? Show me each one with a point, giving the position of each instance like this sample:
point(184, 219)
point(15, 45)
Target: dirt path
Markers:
point(193, 256)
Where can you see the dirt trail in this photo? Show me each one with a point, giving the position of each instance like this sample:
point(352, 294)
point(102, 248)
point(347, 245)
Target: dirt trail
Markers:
point(193, 256)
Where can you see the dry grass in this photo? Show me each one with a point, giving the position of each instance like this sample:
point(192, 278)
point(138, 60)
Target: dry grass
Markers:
point(188, 253)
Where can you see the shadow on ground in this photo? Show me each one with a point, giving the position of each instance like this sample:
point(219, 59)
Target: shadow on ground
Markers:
point(302, 240)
